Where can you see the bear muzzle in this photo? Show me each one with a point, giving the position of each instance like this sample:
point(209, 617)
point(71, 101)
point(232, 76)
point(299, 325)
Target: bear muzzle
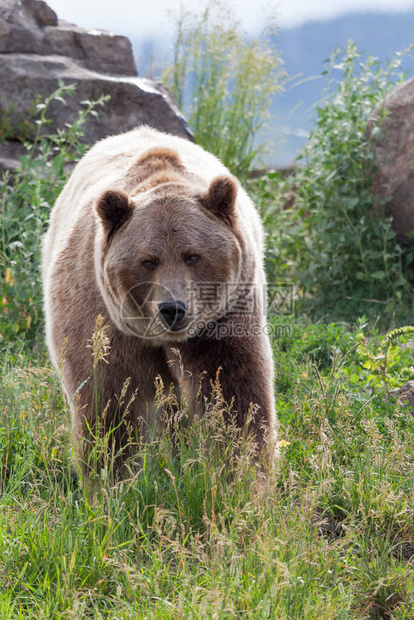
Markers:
point(172, 314)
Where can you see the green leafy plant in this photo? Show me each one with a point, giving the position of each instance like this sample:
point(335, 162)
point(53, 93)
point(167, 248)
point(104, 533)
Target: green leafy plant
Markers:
point(327, 228)
point(26, 198)
point(224, 84)
point(383, 363)
point(10, 130)
point(7, 131)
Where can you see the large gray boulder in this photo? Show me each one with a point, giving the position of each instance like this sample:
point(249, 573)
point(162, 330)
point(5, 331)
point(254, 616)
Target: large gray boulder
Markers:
point(32, 27)
point(37, 49)
point(391, 131)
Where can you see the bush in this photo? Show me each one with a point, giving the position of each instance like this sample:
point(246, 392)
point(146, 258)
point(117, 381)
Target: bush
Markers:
point(334, 240)
point(26, 198)
point(224, 84)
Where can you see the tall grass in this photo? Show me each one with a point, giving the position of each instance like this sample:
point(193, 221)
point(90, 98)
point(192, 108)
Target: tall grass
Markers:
point(224, 83)
point(196, 532)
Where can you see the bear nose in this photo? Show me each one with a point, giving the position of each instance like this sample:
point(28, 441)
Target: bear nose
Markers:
point(172, 312)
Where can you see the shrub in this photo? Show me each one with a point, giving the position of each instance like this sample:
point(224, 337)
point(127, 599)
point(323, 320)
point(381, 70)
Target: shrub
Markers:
point(334, 240)
point(26, 198)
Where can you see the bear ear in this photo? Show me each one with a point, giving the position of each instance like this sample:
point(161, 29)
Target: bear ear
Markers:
point(221, 198)
point(114, 210)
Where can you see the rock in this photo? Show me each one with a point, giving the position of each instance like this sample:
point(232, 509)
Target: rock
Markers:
point(37, 50)
point(392, 138)
point(100, 51)
point(10, 154)
point(133, 100)
point(19, 12)
point(21, 23)
point(405, 394)
point(31, 27)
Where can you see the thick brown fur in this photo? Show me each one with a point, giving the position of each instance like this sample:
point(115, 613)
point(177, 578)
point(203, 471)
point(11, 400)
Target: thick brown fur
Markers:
point(146, 221)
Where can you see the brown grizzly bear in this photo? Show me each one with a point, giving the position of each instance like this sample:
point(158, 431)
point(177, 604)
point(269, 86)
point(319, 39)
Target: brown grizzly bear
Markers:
point(155, 235)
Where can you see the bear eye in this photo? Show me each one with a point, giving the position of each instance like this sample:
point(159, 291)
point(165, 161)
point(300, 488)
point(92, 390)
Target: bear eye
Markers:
point(191, 259)
point(150, 264)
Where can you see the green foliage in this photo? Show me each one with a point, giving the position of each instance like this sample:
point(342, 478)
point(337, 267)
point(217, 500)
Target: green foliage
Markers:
point(384, 363)
point(298, 342)
point(8, 129)
point(327, 228)
point(223, 84)
point(26, 198)
point(195, 530)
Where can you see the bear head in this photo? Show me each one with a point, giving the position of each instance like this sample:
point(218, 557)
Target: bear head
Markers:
point(167, 253)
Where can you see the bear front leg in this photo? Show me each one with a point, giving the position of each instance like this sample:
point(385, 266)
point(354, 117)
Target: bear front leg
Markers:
point(113, 405)
point(245, 377)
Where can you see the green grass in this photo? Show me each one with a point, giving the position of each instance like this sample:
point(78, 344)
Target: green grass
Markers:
point(198, 533)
